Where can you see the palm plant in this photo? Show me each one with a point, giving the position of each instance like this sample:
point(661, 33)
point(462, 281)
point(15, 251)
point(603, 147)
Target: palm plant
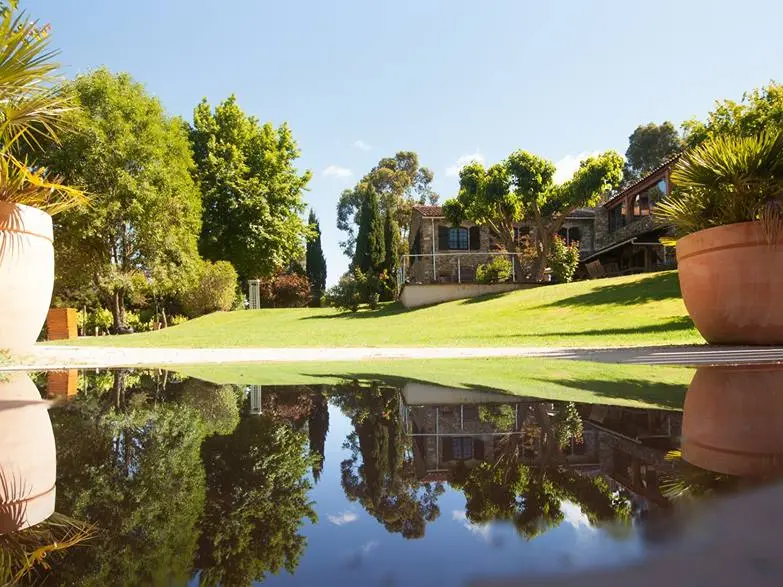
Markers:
point(32, 110)
point(727, 179)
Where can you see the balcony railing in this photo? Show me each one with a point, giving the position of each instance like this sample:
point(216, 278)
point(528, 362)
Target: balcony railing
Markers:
point(452, 267)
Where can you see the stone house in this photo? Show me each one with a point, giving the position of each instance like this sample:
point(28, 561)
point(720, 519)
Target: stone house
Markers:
point(617, 236)
point(442, 253)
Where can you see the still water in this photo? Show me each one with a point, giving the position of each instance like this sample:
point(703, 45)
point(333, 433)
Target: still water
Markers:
point(164, 479)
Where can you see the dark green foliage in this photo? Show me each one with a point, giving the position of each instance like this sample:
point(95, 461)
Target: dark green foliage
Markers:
point(315, 261)
point(251, 189)
point(498, 270)
point(256, 502)
point(348, 292)
point(649, 146)
point(391, 231)
point(370, 242)
point(317, 429)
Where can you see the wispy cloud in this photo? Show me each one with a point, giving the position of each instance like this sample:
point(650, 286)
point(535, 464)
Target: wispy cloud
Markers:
point(362, 146)
point(483, 531)
point(337, 171)
point(343, 518)
point(453, 170)
point(567, 166)
point(573, 515)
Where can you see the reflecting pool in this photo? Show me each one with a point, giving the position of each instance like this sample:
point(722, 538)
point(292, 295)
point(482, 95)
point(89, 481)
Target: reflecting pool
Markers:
point(154, 478)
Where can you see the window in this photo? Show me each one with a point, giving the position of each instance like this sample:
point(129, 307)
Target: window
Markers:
point(462, 448)
point(617, 217)
point(458, 239)
point(570, 235)
point(641, 205)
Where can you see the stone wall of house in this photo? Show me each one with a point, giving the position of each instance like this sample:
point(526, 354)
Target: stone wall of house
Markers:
point(587, 231)
point(602, 236)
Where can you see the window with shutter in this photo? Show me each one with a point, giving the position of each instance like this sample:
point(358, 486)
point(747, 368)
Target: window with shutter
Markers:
point(475, 238)
point(443, 238)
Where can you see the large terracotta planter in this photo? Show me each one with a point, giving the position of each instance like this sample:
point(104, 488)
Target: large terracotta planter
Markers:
point(732, 420)
point(732, 284)
point(26, 274)
point(28, 459)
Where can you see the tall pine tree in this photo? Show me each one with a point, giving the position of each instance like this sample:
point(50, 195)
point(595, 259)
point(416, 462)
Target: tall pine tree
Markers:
point(315, 261)
point(370, 243)
point(318, 428)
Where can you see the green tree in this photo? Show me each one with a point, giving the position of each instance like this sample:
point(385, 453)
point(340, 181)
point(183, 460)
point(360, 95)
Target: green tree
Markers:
point(315, 261)
point(145, 214)
point(370, 243)
point(256, 502)
point(399, 183)
point(759, 110)
point(649, 146)
point(392, 245)
point(522, 188)
point(252, 191)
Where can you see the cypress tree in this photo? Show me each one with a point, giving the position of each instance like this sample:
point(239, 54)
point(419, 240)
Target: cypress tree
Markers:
point(370, 243)
point(315, 262)
point(392, 246)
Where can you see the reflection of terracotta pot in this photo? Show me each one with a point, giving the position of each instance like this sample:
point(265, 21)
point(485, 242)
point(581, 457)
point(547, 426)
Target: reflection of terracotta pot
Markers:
point(730, 284)
point(27, 455)
point(732, 420)
point(26, 274)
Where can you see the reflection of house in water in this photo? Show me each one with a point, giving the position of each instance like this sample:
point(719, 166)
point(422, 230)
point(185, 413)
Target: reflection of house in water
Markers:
point(449, 426)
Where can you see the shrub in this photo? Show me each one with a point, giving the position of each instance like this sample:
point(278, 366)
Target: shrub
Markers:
point(498, 270)
point(214, 290)
point(100, 318)
point(563, 259)
point(291, 291)
point(347, 294)
point(177, 319)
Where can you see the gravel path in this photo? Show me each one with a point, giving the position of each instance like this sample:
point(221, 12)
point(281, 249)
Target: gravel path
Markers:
point(54, 357)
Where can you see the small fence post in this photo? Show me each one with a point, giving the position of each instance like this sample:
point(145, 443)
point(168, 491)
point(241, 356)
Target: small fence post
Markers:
point(459, 271)
point(513, 269)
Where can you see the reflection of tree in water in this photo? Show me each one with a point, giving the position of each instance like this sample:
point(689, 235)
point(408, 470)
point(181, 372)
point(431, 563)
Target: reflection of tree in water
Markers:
point(256, 502)
point(317, 429)
point(380, 473)
point(133, 460)
point(530, 495)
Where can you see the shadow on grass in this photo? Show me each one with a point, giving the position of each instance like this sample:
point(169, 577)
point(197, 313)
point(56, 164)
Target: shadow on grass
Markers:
point(668, 395)
point(682, 324)
point(657, 395)
point(484, 298)
point(389, 309)
point(658, 287)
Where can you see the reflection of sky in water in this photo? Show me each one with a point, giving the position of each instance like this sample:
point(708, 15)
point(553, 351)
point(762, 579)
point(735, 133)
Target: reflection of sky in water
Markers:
point(350, 547)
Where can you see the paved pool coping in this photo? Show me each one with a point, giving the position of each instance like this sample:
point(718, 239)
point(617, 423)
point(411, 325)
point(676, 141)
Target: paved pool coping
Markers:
point(43, 357)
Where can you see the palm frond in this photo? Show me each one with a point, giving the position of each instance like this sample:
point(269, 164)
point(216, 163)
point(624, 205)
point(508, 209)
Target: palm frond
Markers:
point(725, 180)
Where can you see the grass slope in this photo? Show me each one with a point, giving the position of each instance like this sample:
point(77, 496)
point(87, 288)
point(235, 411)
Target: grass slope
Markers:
point(625, 311)
point(627, 385)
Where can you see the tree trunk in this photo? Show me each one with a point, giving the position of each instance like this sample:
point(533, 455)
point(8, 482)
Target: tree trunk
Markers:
point(118, 309)
point(544, 245)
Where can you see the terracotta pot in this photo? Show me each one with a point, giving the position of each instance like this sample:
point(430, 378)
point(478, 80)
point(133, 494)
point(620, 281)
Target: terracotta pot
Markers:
point(732, 284)
point(26, 274)
point(28, 459)
point(732, 420)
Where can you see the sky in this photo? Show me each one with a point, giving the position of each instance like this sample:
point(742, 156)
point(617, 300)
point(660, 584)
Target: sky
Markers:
point(453, 80)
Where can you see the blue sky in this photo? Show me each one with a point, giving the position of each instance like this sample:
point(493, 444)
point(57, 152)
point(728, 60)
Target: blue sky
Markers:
point(358, 80)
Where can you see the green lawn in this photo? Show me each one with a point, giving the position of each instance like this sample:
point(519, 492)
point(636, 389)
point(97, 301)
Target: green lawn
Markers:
point(625, 311)
point(627, 385)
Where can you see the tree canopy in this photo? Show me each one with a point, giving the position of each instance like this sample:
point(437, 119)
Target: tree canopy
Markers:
point(251, 190)
point(145, 212)
point(398, 182)
point(649, 146)
point(370, 243)
point(759, 110)
point(521, 189)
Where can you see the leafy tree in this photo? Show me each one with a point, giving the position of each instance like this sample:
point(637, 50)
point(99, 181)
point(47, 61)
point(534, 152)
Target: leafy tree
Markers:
point(135, 161)
point(256, 502)
point(759, 110)
point(317, 429)
point(399, 182)
point(649, 146)
point(563, 259)
point(521, 188)
point(380, 474)
point(370, 243)
point(252, 191)
point(214, 290)
point(315, 261)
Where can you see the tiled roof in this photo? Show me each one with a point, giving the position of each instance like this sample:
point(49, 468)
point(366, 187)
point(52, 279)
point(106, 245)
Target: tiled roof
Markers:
point(582, 213)
point(430, 211)
point(668, 163)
